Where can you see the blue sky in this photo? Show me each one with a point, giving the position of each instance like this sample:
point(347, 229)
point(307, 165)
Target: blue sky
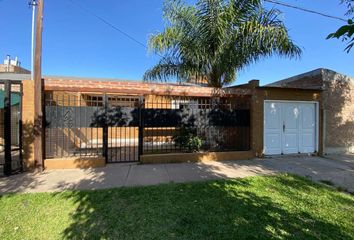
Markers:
point(77, 44)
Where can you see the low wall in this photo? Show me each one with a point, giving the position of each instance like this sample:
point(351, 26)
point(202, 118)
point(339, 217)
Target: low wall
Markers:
point(74, 162)
point(196, 157)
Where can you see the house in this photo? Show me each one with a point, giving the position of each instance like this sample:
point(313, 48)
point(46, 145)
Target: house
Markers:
point(90, 122)
point(12, 66)
point(338, 105)
point(74, 110)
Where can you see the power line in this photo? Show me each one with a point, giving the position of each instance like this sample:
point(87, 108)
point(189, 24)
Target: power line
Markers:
point(305, 10)
point(110, 25)
point(106, 22)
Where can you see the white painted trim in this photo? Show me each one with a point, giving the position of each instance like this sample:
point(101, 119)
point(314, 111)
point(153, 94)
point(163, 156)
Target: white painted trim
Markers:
point(317, 107)
point(264, 130)
point(317, 114)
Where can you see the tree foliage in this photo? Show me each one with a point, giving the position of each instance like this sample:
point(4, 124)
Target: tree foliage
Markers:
point(346, 32)
point(214, 39)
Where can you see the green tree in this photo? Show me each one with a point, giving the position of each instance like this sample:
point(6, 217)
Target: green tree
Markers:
point(346, 32)
point(214, 39)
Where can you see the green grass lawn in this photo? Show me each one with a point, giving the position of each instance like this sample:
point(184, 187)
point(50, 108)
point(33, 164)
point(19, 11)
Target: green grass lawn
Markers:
point(273, 207)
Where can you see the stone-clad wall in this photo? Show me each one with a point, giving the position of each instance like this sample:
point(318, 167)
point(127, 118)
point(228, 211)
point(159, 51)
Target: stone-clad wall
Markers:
point(338, 98)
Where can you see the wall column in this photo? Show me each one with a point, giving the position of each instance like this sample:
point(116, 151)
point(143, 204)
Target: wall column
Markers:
point(256, 118)
point(28, 124)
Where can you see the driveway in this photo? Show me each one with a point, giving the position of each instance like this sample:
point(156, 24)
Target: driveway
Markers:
point(339, 170)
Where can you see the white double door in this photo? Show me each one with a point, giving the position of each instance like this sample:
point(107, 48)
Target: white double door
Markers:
point(289, 127)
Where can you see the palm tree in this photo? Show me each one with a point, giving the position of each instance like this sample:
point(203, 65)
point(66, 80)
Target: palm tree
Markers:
point(214, 39)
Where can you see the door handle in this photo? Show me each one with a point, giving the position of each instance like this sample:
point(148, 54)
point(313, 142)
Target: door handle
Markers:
point(283, 127)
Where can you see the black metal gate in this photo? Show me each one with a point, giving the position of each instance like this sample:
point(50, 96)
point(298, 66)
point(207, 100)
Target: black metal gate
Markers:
point(10, 127)
point(122, 131)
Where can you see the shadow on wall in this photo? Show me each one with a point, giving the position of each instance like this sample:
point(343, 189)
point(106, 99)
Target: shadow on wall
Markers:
point(29, 131)
point(224, 210)
point(339, 106)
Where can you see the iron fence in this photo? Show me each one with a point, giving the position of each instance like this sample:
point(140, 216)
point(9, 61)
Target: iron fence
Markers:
point(122, 121)
point(70, 127)
point(121, 128)
point(187, 124)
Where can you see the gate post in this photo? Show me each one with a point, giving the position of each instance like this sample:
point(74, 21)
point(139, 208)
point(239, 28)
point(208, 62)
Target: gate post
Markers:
point(20, 125)
point(105, 128)
point(7, 128)
point(141, 128)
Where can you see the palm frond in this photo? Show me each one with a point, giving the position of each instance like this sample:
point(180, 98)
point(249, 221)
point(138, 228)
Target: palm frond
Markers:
point(171, 68)
point(216, 38)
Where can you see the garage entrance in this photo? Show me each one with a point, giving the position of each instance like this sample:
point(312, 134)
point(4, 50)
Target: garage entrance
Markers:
point(290, 127)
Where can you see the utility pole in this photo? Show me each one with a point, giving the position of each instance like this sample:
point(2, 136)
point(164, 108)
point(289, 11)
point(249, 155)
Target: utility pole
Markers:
point(38, 90)
point(33, 4)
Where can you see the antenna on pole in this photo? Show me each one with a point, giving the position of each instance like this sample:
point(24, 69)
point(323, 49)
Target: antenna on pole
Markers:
point(33, 4)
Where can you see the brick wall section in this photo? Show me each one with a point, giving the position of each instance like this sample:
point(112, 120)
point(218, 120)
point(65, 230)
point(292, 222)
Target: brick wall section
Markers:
point(137, 88)
point(28, 123)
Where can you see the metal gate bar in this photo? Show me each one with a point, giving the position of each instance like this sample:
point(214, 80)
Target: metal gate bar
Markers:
point(11, 127)
point(7, 128)
point(123, 128)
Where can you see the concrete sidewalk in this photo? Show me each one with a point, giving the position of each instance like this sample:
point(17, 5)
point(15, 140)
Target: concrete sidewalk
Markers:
point(341, 173)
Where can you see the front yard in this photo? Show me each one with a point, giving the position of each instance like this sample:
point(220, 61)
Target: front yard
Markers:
point(277, 207)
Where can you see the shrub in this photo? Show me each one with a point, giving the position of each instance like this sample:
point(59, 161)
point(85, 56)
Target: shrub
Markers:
point(188, 140)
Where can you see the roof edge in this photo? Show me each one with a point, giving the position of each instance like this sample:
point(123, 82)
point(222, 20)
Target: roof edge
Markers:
point(324, 73)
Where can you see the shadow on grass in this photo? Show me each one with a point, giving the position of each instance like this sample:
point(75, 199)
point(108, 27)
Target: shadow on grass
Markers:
point(232, 209)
